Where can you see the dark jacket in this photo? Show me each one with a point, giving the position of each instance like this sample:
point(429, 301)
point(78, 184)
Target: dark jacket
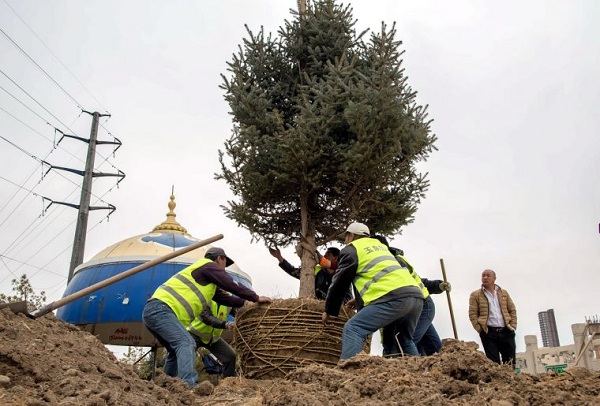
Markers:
point(212, 273)
point(322, 280)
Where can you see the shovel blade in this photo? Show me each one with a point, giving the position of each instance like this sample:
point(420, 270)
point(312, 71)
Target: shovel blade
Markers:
point(16, 307)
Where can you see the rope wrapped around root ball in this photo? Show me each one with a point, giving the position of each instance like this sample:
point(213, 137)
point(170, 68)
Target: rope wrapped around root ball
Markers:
point(276, 338)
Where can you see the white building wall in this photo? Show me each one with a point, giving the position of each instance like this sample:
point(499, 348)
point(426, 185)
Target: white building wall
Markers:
point(537, 360)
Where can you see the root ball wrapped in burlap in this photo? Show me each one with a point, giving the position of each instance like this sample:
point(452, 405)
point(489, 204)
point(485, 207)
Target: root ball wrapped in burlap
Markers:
point(275, 339)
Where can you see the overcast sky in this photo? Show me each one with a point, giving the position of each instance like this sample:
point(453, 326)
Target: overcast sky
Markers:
point(512, 88)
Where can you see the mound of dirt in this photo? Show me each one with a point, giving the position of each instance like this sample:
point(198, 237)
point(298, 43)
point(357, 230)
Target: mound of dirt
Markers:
point(48, 362)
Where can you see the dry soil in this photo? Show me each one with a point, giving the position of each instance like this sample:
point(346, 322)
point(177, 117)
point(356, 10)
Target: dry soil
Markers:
point(48, 362)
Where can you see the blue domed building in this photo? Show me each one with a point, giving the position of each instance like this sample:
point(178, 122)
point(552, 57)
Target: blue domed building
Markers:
point(114, 313)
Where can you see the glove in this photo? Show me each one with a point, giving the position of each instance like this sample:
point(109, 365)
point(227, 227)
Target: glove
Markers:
point(229, 325)
point(445, 286)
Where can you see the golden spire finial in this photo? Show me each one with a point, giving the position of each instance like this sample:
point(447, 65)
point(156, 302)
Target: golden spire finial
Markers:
point(170, 224)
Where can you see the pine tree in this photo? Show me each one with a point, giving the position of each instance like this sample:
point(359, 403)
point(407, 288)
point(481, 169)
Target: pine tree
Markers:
point(23, 291)
point(326, 131)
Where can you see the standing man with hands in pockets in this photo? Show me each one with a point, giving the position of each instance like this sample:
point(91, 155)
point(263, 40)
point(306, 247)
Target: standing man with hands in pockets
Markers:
point(494, 316)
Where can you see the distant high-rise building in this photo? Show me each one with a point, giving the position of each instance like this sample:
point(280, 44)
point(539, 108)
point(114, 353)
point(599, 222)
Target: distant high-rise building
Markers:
point(548, 328)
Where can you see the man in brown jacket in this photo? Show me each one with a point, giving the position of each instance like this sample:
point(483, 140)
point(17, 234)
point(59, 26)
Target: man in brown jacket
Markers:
point(494, 316)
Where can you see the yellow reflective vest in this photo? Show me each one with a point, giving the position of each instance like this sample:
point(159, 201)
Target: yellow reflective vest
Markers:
point(184, 295)
point(415, 275)
point(378, 272)
point(209, 334)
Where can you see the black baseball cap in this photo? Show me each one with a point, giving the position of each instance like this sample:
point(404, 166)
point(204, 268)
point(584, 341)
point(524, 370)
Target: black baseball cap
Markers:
point(214, 252)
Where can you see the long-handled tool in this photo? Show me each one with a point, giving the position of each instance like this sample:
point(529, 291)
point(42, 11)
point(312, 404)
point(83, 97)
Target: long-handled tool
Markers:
point(449, 300)
point(21, 307)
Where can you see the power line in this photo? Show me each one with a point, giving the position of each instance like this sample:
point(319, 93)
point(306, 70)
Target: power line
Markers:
point(43, 247)
point(33, 226)
point(50, 77)
point(18, 205)
point(43, 267)
point(18, 238)
point(21, 187)
point(45, 109)
point(41, 162)
point(105, 159)
point(40, 68)
point(50, 167)
point(54, 55)
point(6, 266)
point(24, 105)
point(79, 105)
point(35, 100)
point(24, 151)
point(54, 144)
point(28, 264)
point(35, 223)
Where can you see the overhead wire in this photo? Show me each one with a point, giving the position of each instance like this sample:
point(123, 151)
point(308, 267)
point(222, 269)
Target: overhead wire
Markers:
point(79, 105)
point(35, 224)
point(36, 102)
point(43, 267)
point(19, 204)
point(24, 105)
point(7, 267)
point(46, 163)
point(40, 68)
point(31, 265)
point(46, 226)
point(55, 56)
point(53, 142)
point(44, 198)
point(40, 250)
point(105, 159)
point(21, 236)
point(27, 232)
point(47, 221)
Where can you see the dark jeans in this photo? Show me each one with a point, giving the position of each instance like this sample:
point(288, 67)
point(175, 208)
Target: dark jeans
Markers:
point(223, 351)
point(425, 336)
point(403, 311)
point(168, 330)
point(499, 345)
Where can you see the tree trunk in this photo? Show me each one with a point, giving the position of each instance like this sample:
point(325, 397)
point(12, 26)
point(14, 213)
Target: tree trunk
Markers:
point(307, 272)
point(307, 258)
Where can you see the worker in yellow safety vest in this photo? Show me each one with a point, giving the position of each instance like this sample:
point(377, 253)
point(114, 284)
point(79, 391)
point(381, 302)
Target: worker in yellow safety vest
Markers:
point(384, 291)
point(182, 298)
point(206, 331)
